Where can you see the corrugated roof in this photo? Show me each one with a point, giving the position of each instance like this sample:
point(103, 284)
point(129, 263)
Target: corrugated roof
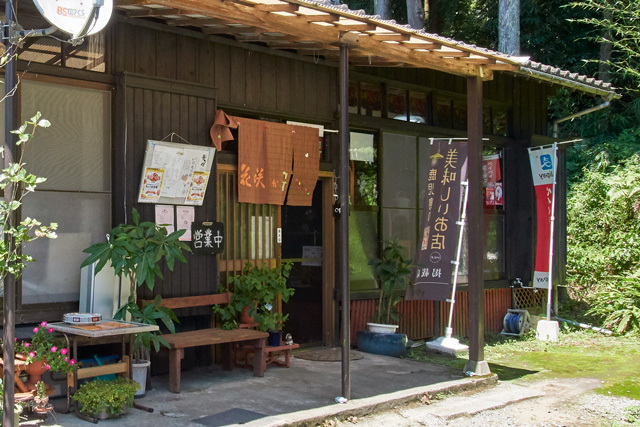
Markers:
point(311, 27)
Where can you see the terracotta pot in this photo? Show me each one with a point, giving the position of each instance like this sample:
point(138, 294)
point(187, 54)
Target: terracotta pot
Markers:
point(41, 404)
point(35, 371)
point(244, 317)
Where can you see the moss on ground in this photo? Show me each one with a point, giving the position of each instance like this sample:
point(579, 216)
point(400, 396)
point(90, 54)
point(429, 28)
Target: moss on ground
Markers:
point(578, 354)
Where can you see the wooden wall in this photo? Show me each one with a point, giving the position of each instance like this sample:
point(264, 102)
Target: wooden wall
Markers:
point(246, 80)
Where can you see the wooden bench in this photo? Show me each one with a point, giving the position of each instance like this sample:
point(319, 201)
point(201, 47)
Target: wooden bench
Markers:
point(210, 336)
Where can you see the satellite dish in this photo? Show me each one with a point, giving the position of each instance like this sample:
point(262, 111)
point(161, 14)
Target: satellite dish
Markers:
point(79, 18)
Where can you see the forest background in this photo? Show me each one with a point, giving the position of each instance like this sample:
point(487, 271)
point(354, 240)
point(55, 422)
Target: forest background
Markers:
point(599, 38)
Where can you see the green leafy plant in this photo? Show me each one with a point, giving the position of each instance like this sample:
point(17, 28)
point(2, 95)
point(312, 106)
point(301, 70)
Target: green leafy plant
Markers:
point(110, 396)
point(16, 179)
point(135, 251)
point(258, 287)
point(45, 345)
point(41, 389)
point(392, 271)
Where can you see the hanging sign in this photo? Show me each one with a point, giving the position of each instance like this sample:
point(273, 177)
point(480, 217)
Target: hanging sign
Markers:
point(436, 249)
point(543, 169)
point(207, 238)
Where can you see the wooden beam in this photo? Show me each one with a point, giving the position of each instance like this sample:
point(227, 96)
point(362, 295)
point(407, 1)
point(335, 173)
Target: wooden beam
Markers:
point(225, 29)
point(195, 22)
point(355, 27)
point(294, 26)
point(151, 12)
point(328, 17)
point(449, 53)
point(282, 7)
point(422, 45)
point(391, 37)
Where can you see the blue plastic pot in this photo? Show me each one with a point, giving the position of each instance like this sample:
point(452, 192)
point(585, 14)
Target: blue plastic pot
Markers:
point(274, 338)
point(385, 344)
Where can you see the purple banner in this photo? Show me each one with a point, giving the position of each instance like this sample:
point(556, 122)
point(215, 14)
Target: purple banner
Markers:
point(446, 170)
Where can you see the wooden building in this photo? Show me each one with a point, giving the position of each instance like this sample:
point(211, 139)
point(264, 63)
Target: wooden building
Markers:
point(166, 66)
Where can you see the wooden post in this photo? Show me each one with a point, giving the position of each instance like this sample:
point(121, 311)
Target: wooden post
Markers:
point(475, 235)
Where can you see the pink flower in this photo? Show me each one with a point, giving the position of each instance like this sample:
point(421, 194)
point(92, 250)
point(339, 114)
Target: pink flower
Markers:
point(27, 344)
point(35, 329)
point(43, 324)
point(72, 362)
point(54, 349)
point(15, 339)
point(64, 351)
point(47, 367)
point(50, 330)
point(66, 358)
point(32, 354)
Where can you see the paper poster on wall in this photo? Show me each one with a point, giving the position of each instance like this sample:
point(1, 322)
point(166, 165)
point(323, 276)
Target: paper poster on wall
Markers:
point(197, 188)
point(151, 186)
point(183, 170)
point(164, 217)
point(185, 216)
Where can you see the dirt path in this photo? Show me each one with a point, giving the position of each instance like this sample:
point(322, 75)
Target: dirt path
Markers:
point(565, 402)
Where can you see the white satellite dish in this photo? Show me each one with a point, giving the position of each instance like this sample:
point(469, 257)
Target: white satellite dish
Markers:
point(79, 18)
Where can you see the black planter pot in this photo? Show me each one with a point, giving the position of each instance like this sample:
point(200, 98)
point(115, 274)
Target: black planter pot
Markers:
point(274, 338)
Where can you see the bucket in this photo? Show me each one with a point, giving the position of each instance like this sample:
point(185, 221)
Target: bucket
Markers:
point(140, 369)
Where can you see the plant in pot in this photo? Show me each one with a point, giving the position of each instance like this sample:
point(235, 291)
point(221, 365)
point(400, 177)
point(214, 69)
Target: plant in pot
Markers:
point(106, 398)
point(392, 270)
point(255, 292)
point(136, 251)
point(41, 399)
point(42, 352)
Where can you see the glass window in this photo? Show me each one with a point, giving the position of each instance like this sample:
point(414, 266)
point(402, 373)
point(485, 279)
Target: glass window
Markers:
point(370, 100)
point(418, 107)
point(399, 181)
point(89, 55)
point(443, 112)
point(397, 103)
point(353, 97)
point(363, 218)
point(74, 155)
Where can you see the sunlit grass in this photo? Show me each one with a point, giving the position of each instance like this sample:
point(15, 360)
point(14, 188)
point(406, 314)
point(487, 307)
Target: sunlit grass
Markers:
point(613, 360)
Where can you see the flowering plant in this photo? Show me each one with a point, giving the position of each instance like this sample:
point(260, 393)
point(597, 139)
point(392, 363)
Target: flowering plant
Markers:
point(44, 345)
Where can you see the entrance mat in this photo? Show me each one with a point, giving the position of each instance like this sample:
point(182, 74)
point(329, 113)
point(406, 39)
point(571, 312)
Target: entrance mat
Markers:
point(327, 355)
point(231, 416)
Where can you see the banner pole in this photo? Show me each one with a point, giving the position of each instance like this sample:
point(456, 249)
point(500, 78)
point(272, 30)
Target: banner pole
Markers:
point(552, 222)
point(463, 216)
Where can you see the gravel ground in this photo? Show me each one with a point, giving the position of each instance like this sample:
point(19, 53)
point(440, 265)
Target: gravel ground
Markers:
point(565, 403)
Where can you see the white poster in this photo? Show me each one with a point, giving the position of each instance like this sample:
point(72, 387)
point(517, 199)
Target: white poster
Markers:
point(185, 216)
point(164, 217)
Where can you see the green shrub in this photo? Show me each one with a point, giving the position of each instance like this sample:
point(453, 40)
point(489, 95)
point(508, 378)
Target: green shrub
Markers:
point(111, 396)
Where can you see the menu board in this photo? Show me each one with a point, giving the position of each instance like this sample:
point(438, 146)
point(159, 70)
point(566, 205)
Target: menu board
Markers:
point(174, 173)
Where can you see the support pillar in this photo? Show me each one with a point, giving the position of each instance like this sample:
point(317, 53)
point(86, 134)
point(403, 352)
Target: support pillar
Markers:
point(475, 235)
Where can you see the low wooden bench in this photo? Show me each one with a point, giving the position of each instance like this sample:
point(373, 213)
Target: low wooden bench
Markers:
point(210, 336)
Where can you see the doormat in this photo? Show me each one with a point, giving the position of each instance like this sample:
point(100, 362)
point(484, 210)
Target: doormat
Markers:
point(231, 416)
point(327, 355)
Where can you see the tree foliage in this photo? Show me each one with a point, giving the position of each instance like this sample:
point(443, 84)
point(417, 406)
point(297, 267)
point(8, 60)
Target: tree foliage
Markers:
point(603, 262)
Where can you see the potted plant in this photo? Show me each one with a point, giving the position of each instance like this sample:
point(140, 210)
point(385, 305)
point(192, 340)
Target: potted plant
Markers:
point(106, 398)
point(41, 400)
point(392, 271)
point(255, 291)
point(136, 251)
point(44, 351)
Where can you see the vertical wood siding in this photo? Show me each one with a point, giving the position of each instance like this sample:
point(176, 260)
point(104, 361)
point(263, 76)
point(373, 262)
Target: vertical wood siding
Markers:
point(245, 79)
point(417, 316)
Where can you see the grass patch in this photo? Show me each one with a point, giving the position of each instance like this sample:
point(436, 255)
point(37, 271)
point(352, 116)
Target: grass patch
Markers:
point(579, 354)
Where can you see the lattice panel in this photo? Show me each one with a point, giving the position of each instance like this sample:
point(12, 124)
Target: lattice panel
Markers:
point(528, 299)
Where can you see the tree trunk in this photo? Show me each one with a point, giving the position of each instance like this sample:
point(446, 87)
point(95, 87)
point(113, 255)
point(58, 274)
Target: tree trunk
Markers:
point(509, 27)
point(415, 14)
point(382, 8)
point(604, 68)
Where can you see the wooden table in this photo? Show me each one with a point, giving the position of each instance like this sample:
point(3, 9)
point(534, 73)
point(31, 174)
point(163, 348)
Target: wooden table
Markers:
point(89, 335)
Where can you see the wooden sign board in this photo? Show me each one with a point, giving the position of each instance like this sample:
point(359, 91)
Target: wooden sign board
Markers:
point(207, 238)
point(175, 174)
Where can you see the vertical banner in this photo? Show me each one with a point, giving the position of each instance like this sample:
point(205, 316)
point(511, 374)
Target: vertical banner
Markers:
point(543, 170)
point(447, 169)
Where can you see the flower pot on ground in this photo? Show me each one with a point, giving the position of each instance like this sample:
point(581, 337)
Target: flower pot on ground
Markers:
point(392, 272)
point(111, 397)
point(44, 351)
point(140, 370)
point(136, 251)
point(41, 399)
point(259, 288)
